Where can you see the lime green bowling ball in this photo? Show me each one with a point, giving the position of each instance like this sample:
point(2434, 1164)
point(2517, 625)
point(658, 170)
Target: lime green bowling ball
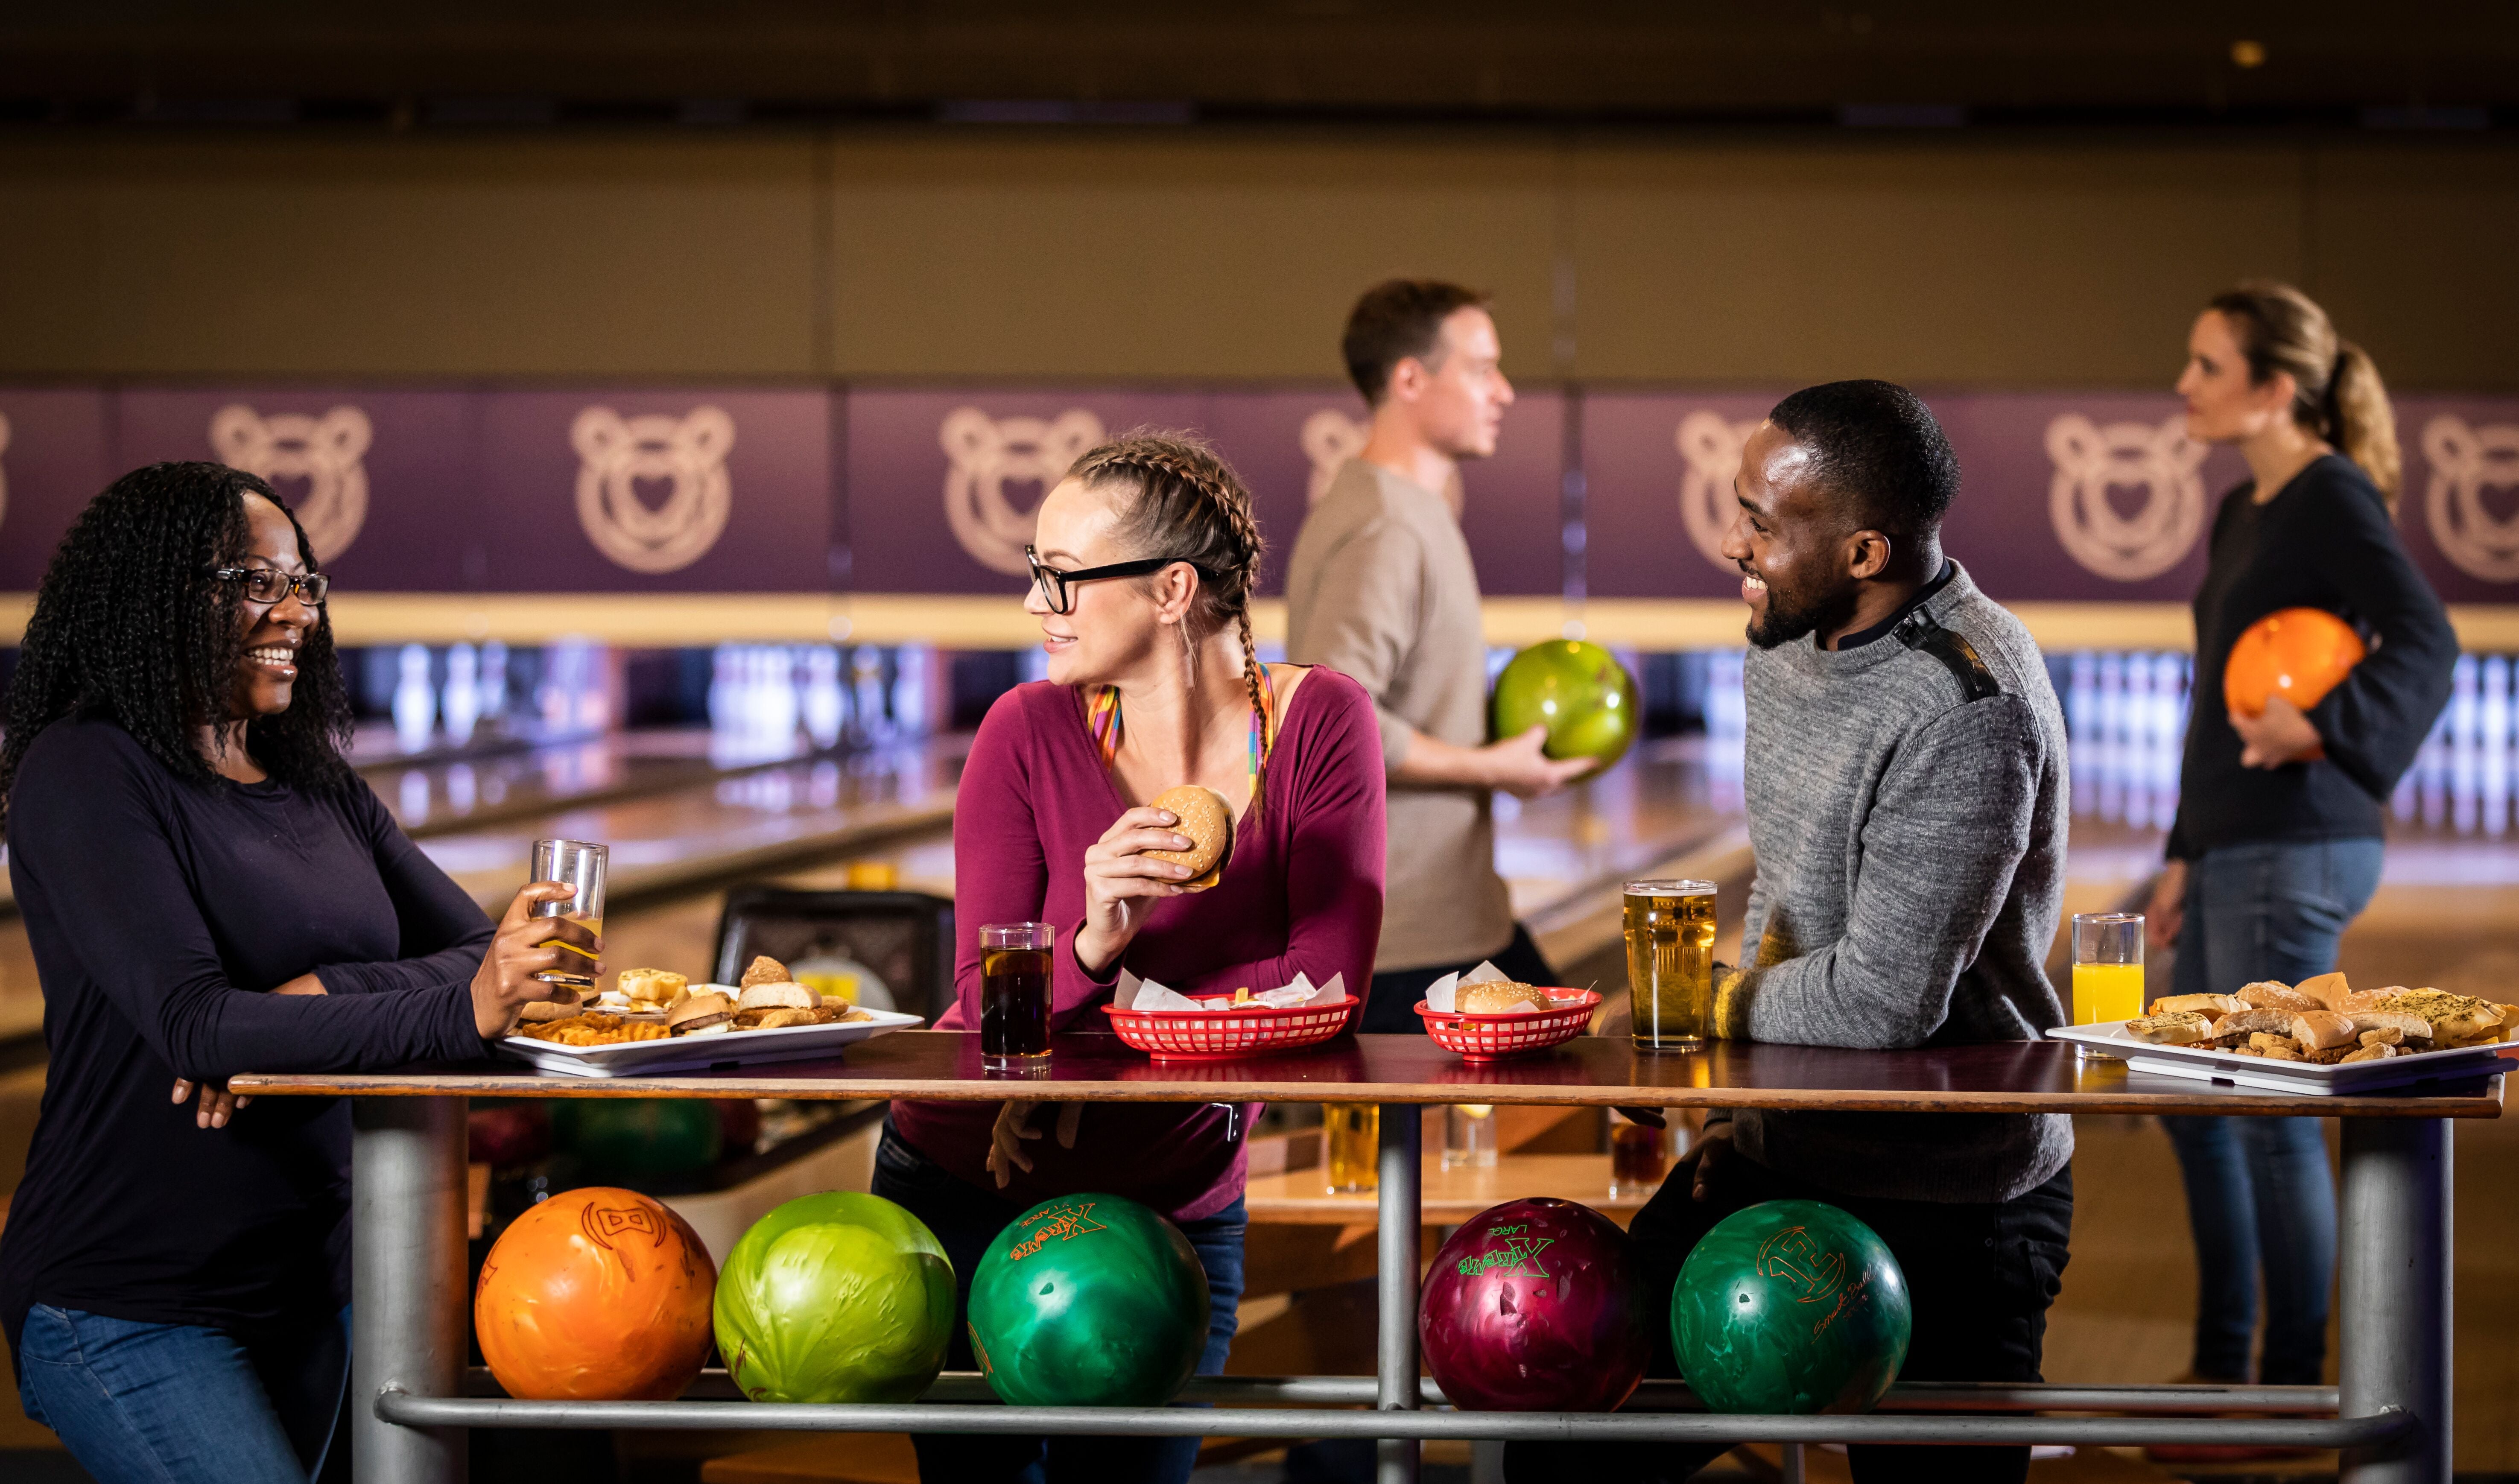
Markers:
point(1088, 1301)
point(621, 1138)
point(1578, 691)
point(836, 1297)
point(1792, 1306)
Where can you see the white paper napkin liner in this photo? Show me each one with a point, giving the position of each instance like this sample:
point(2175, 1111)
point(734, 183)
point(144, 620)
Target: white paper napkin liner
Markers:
point(1438, 994)
point(1134, 993)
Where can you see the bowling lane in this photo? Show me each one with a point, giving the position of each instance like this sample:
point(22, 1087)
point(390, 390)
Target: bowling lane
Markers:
point(441, 794)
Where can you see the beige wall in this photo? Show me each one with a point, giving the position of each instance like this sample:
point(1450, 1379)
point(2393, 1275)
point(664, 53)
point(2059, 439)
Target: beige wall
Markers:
point(1974, 259)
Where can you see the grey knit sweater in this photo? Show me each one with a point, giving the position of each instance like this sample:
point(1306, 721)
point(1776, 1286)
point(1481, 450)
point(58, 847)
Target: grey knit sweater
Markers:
point(1908, 806)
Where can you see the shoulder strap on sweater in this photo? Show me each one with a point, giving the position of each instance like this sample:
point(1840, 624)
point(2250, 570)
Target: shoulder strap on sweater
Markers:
point(1919, 632)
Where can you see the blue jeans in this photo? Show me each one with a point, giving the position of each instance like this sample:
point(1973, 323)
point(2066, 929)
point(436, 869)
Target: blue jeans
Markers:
point(965, 1220)
point(2259, 1193)
point(140, 1402)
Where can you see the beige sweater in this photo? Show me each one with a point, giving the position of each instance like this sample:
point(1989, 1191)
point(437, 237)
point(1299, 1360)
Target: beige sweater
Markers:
point(1382, 589)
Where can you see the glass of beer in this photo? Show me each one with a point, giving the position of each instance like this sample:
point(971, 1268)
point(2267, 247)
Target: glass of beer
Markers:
point(1353, 1134)
point(1636, 1157)
point(2107, 971)
point(1670, 962)
point(580, 866)
point(1014, 995)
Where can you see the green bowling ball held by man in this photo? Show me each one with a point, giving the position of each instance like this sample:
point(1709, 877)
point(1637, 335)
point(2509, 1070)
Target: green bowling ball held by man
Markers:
point(1906, 788)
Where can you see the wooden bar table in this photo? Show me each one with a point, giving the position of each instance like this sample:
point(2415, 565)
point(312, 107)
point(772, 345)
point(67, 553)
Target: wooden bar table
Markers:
point(407, 1196)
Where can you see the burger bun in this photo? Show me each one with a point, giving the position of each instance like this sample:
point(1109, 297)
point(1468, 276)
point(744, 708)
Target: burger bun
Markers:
point(782, 995)
point(1498, 998)
point(1207, 820)
point(698, 1014)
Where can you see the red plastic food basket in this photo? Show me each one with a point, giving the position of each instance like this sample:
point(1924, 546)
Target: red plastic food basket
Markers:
point(1492, 1037)
point(1226, 1036)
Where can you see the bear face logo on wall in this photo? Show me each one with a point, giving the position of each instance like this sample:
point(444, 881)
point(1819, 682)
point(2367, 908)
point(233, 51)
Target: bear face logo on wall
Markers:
point(984, 455)
point(2159, 460)
point(2466, 461)
point(1711, 445)
point(684, 454)
point(1330, 438)
point(324, 452)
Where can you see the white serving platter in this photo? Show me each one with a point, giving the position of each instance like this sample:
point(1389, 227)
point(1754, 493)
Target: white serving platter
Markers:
point(2211, 1064)
point(735, 1048)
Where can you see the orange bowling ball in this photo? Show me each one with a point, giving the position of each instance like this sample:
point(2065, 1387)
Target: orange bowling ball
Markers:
point(596, 1295)
point(2297, 653)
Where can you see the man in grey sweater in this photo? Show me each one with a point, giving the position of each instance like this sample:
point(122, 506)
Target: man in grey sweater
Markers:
point(1907, 798)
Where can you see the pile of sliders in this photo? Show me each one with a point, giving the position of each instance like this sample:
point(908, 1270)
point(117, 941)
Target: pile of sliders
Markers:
point(651, 1004)
point(2323, 1020)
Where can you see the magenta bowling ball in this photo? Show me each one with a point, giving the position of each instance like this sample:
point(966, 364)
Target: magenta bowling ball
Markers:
point(1533, 1306)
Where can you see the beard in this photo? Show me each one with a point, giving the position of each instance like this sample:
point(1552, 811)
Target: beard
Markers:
point(1793, 614)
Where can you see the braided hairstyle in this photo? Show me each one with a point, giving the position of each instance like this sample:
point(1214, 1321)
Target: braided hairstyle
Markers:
point(130, 625)
point(1189, 505)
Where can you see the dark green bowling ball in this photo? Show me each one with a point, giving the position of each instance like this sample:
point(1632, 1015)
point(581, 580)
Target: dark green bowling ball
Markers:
point(1088, 1301)
point(836, 1297)
point(1578, 691)
point(621, 1138)
point(1792, 1306)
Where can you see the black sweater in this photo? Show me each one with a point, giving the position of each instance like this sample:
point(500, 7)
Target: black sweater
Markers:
point(161, 911)
point(2324, 541)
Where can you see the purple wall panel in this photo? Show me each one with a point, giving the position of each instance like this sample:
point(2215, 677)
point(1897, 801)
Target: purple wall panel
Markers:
point(674, 490)
point(2459, 513)
point(382, 480)
point(53, 459)
point(1654, 513)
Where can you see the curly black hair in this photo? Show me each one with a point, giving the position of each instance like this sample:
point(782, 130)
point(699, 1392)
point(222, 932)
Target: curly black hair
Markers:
point(130, 625)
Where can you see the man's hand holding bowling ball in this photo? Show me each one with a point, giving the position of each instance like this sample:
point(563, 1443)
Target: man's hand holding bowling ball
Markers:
point(527, 945)
point(2278, 738)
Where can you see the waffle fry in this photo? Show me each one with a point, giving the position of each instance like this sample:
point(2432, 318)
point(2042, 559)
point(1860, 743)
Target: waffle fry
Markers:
point(594, 1030)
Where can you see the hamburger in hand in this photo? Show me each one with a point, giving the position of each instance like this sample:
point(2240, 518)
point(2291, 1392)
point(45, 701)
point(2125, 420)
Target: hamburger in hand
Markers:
point(1207, 820)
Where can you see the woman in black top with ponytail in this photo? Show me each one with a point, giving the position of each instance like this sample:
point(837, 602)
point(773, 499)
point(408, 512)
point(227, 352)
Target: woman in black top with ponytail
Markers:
point(209, 889)
point(2277, 841)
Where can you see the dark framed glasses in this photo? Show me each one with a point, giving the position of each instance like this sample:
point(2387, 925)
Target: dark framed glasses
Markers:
point(1054, 584)
point(270, 585)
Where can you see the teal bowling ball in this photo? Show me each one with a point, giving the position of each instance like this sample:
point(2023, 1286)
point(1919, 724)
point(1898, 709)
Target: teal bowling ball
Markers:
point(836, 1297)
point(1578, 691)
point(1088, 1301)
point(630, 1138)
point(1792, 1306)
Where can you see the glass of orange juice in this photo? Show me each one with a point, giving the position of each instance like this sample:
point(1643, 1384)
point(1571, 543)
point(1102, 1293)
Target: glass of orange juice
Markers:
point(2107, 970)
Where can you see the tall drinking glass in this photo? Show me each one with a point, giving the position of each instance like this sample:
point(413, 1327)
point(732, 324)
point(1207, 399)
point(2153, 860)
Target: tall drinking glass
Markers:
point(581, 867)
point(2107, 971)
point(1670, 962)
point(1015, 995)
point(1354, 1133)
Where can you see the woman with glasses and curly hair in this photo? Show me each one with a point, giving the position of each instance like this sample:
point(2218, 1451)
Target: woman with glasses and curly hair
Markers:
point(208, 890)
point(1144, 563)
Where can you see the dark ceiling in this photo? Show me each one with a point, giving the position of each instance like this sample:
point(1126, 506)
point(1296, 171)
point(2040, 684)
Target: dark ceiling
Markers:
point(1892, 63)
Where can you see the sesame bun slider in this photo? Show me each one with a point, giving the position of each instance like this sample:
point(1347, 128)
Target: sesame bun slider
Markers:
point(1207, 820)
point(706, 1013)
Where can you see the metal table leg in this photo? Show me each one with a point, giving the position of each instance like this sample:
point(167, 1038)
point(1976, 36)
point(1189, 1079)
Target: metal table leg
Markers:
point(2397, 1253)
point(407, 1282)
point(1398, 1211)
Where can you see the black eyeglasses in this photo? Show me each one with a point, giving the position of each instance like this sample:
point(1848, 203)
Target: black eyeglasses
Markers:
point(270, 585)
point(1054, 584)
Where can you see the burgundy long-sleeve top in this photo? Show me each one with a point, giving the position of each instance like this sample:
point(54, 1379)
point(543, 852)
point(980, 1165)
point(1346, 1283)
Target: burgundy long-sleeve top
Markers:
point(1301, 893)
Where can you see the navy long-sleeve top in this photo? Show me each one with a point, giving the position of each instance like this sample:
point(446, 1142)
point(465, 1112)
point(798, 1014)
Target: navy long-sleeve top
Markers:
point(2327, 541)
point(162, 911)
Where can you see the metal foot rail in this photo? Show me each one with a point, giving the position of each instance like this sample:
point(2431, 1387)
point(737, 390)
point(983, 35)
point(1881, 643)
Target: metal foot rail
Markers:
point(400, 1408)
point(969, 1388)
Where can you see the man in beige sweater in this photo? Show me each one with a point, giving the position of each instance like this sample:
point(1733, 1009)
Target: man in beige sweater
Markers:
point(1381, 586)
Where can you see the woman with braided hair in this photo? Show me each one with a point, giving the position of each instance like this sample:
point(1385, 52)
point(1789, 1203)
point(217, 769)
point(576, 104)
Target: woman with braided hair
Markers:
point(209, 889)
point(1144, 563)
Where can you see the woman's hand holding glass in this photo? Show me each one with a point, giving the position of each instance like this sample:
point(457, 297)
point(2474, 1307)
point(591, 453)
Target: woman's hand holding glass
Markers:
point(526, 946)
point(1123, 883)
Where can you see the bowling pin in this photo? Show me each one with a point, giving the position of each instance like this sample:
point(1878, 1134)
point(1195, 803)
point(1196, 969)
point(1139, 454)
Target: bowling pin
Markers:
point(825, 706)
point(2466, 736)
point(461, 705)
point(491, 703)
point(876, 723)
point(414, 701)
point(909, 689)
point(2493, 745)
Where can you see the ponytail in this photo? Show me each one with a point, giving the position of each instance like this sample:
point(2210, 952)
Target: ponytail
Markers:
point(2337, 392)
point(2359, 423)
